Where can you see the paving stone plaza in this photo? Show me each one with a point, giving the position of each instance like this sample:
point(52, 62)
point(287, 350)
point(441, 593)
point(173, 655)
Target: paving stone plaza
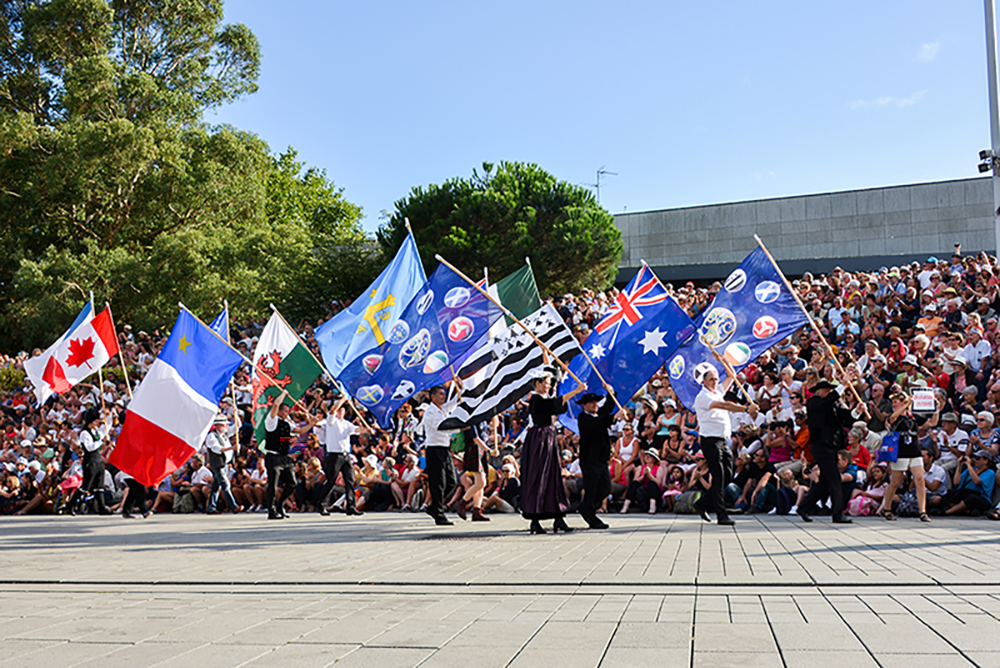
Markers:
point(393, 590)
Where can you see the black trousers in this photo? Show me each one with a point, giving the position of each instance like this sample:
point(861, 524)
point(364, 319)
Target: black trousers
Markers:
point(280, 468)
point(93, 479)
point(829, 481)
point(596, 488)
point(719, 458)
point(338, 463)
point(136, 499)
point(441, 478)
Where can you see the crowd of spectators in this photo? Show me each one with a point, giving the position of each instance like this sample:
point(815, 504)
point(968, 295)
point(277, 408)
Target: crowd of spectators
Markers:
point(930, 324)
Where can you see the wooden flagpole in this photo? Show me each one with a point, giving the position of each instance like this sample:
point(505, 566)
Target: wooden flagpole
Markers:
point(729, 370)
point(343, 390)
point(232, 386)
point(100, 369)
point(826, 344)
point(121, 356)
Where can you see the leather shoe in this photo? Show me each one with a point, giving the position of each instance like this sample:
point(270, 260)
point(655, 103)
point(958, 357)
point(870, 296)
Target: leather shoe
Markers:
point(843, 520)
point(353, 511)
point(726, 521)
point(598, 525)
point(805, 517)
point(704, 516)
point(443, 522)
point(323, 511)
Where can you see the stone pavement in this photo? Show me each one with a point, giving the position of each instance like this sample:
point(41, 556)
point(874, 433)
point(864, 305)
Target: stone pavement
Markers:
point(393, 590)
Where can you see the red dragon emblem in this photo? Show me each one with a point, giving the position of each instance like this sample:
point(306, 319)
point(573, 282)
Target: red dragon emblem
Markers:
point(268, 376)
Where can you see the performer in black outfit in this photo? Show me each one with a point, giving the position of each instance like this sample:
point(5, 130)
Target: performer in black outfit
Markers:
point(542, 493)
point(278, 432)
point(92, 440)
point(826, 419)
point(595, 454)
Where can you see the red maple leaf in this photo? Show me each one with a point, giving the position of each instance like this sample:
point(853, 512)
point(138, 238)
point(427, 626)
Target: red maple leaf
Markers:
point(80, 352)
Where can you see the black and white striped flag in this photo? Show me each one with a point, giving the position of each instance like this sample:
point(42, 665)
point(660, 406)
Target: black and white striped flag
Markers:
point(508, 377)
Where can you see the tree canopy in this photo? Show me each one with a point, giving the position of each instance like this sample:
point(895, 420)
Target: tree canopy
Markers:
point(110, 181)
point(498, 217)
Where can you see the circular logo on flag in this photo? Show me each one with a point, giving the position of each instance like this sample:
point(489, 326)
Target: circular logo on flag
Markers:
point(456, 297)
point(425, 302)
point(460, 329)
point(767, 291)
point(416, 349)
point(436, 361)
point(399, 332)
point(371, 362)
point(737, 353)
point(719, 326)
point(736, 281)
point(676, 367)
point(765, 327)
point(699, 371)
point(370, 395)
point(403, 390)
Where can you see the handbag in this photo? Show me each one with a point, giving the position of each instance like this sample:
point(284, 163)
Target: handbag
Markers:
point(888, 451)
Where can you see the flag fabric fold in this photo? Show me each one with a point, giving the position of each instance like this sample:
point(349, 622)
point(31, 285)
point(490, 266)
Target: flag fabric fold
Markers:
point(174, 406)
point(366, 323)
point(86, 347)
point(442, 322)
point(509, 376)
point(753, 311)
point(280, 361)
point(642, 328)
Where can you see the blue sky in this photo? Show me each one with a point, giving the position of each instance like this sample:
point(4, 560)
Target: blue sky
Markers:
point(690, 103)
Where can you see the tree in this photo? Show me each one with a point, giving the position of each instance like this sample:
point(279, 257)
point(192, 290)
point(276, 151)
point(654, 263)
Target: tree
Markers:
point(497, 218)
point(111, 182)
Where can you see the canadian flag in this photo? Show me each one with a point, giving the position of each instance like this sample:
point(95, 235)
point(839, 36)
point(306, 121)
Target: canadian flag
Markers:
point(78, 353)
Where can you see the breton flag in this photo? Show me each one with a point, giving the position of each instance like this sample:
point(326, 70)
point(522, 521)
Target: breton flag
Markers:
point(442, 323)
point(509, 376)
point(753, 312)
point(366, 323)
point(286, 364)
point(174, 406)
point(643, 327)
point(87, 346)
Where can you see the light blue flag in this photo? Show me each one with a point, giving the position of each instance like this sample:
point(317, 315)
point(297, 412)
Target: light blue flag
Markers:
point(221, 323)
point(367, 322)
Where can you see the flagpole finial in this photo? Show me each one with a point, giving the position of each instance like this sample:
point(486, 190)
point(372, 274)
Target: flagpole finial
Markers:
point(273, 307)
point(407, 221)
point(527, 260)
point(438, 258)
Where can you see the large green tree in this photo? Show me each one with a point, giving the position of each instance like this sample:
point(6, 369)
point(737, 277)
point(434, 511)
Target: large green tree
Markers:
point(110, 181)
point(508, 212)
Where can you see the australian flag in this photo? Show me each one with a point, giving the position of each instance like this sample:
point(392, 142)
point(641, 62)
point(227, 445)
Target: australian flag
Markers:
point(753, 311)
point(439, 325)
point(643, 326)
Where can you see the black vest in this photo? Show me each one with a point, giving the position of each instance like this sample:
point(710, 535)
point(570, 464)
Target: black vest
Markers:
point(277, 442)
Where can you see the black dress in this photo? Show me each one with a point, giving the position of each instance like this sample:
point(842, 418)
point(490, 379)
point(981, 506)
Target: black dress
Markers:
point(542, 493)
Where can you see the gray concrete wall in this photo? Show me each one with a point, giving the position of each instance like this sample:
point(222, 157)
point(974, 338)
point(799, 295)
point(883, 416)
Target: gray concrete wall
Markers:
point(813, 232)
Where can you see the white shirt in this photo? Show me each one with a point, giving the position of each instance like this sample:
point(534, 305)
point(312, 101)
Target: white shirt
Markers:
point(87, 440)
point(338, 434)
point(202, 476)
point(713, 422)
point(959, 440)
point(936, 473)
point(975, 354)
point(434, 416)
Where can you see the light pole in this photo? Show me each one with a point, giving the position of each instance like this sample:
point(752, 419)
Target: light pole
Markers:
point(992, 155)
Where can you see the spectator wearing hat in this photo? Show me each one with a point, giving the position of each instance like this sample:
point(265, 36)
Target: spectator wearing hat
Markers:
point(647, 482)
point(716, 430)
point(952, 442)
point(910, 373)
point(973, 479)
point(931, 321)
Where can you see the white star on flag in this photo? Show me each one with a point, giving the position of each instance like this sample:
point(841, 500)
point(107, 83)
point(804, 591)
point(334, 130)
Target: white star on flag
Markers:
point(597, 351)
point(652, 341)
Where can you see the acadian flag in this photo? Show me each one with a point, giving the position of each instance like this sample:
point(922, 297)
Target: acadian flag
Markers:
point(366, 323)
point(87, 346)
point(286, 364)
point(221, 323)
point(174, 406)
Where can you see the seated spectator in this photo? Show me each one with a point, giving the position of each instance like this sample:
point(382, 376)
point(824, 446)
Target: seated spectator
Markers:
point(974, 478)
point(646, 485)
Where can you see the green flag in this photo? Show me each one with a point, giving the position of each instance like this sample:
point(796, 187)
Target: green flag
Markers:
point(519, 293)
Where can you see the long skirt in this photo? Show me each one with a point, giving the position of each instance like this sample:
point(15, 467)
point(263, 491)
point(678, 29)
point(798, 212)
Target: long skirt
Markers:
point(542, 493)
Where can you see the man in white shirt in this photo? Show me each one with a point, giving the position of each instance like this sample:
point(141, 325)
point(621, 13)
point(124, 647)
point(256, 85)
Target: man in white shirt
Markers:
point(977, 351)
point(715, 429)
point(952, 441)
point(440, 470)
point(219, 444)
point(338, 432)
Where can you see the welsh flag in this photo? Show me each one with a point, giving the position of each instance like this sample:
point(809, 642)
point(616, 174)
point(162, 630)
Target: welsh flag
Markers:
point(87, 346)
point(280, 362)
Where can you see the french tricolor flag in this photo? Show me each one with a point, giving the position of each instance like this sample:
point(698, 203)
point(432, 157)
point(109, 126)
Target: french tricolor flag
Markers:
point(174, 406)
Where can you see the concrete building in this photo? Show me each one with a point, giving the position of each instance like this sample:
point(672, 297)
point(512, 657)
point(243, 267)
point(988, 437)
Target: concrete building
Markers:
point(857, 229)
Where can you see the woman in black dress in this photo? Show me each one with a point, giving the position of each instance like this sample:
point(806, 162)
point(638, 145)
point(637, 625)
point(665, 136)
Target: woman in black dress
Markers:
point(543, 495)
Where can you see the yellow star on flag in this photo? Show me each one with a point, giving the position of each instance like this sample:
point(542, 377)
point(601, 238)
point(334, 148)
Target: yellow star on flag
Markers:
point(183, 344)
